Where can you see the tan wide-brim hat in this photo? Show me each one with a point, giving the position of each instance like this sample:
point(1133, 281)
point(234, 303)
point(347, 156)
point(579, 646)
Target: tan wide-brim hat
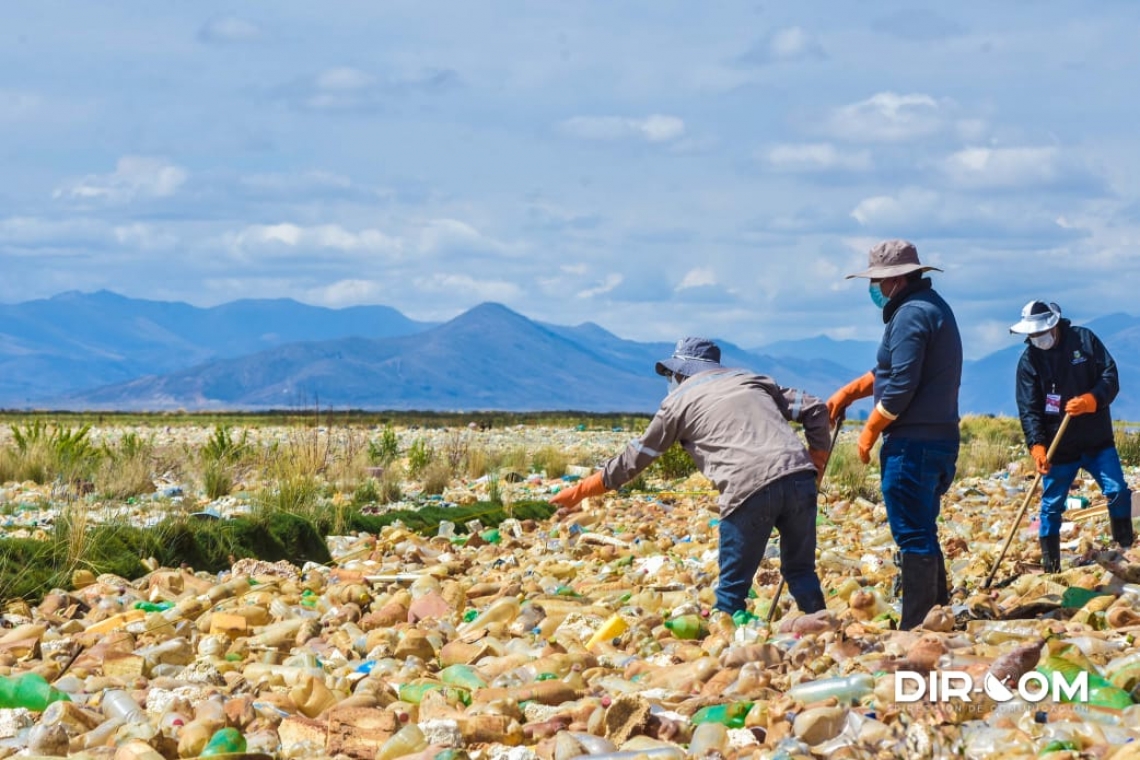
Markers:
point(892, 258)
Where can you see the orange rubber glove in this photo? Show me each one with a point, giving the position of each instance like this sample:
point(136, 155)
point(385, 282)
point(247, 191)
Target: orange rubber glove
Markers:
point(568, 498)
point(861, 387)
point(819, 458)
point(1082, 404)
point(1037, 451)
point(876, 423)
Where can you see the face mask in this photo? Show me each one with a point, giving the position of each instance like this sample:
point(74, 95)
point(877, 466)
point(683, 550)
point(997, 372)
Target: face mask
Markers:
point(877, 296)
point(1044, 342)
point(674, 383)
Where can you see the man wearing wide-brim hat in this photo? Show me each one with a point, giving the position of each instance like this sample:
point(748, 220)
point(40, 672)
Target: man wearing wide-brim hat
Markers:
point(1065, 369)
point(734, 424)
point(915, 385)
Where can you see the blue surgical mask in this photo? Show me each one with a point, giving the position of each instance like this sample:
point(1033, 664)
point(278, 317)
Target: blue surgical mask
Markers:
point(1044, 342)
point(877, 296)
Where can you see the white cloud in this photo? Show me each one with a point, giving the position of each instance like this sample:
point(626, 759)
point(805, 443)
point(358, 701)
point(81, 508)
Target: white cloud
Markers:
point(905, 208)
point(144, 236)
point(270, 237)
point(441, 236)
point(135, 177)
point(612, 281)
point(654, 128)
point(1002, 167)
point(815, 157)
point(792, 43)
point(697, 278)
point(464, 288)
point(344, 78)
point(15, 105)
point(228, 29)
point(888, 117)
point(345, 293)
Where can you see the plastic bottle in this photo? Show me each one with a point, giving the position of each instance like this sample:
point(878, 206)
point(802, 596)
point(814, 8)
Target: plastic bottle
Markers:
point(406, 741)
point(30, 691)
point(844, 688)
point(117, 703)
point(502, 610)
point(463, 676)
point(708, 737)
point(687, 627)
point(730, 714)
point(615, 626)
point(225, 741)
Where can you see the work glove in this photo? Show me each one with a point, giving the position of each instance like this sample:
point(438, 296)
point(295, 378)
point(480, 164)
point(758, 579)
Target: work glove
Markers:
point(876, 423)
point(1082, 404)
point(568, 498)
point(861, 387)
point(1037, 451)
point(819, 458)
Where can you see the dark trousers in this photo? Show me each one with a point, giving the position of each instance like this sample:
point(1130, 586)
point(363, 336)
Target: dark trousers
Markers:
point(789, 505)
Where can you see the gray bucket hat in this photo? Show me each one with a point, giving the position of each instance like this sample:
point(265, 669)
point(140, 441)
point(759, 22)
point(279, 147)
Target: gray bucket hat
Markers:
point(1037, 317)
point(892, 258)
point(691, 355)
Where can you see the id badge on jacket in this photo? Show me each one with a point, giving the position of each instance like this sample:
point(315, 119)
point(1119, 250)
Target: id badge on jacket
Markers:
point(1052, 403)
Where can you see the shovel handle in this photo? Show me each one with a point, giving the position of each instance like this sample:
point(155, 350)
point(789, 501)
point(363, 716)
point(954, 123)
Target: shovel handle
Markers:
point(1025, 502)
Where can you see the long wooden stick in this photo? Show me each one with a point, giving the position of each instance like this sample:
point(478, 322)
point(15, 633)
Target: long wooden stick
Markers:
point(1025, 502)
point(780, 588)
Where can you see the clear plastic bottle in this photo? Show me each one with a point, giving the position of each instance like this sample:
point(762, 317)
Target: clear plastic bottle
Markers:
point(844, 688)
point(708, 737)
point(407, 740)
point(119, 704)
point(502, 610)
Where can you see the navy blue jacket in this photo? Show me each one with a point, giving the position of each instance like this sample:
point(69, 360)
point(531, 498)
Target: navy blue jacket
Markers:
point(920, 365)
point(1079, 363)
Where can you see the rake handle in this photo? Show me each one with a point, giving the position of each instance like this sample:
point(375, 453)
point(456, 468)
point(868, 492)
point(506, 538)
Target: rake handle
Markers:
point(1026, 500)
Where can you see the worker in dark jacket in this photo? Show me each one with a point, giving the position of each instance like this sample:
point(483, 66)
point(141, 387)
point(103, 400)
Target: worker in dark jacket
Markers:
point(734, 424)
point(1065, 369)
point(915, 384)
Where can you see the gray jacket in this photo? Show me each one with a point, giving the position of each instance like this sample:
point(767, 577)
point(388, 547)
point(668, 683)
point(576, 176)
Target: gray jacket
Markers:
point(734, 424)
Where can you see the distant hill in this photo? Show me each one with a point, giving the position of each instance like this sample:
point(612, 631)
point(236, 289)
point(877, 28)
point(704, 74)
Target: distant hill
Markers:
point(102, 350)
point(487, 358)
point(73, 341)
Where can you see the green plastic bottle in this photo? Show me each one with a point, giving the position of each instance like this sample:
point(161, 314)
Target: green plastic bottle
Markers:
point(464, 676)
point(687, 627)
point(225, 741)
point(1101, 692)
point(730, 714)
point(30, 691)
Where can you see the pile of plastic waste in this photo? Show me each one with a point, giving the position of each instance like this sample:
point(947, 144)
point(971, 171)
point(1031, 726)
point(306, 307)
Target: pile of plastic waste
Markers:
point(589, 636)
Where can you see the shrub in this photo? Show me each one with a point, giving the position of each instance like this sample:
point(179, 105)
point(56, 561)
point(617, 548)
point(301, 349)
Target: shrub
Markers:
point(436, 477)
point(126, 469)
point(552, 461)
point(1128, 446)
point(673, 463)
point(385, 450)
point(420, 455)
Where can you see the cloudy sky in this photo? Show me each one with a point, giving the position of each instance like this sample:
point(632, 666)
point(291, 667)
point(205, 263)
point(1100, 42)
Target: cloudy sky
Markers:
point(660, 167)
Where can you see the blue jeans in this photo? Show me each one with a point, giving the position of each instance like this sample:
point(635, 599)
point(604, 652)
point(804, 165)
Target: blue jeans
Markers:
point(915, 475)
point(789, 505)
point(1104, 466)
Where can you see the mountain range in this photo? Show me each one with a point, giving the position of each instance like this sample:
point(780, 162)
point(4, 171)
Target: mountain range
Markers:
point(106, 351)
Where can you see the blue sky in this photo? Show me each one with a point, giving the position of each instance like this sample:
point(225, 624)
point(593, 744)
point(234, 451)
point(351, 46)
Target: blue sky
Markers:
point(660, 168)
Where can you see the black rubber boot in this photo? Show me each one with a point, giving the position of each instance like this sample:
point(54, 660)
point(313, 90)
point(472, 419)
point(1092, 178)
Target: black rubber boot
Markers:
point(942, 593)
point(1122, 531)
point(919, 588)
point(1051, 554)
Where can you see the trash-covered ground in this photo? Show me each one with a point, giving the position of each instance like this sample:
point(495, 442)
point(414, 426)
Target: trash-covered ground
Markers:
point(589, 636)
